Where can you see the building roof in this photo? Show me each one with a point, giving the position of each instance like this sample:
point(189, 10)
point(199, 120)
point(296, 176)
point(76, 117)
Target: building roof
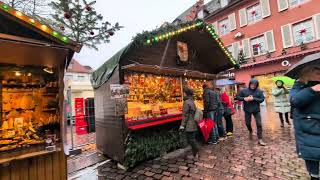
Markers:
point(76, 67)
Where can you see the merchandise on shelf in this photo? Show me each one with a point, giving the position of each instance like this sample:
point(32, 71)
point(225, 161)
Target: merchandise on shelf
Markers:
point(153, 96)
point(29, 106)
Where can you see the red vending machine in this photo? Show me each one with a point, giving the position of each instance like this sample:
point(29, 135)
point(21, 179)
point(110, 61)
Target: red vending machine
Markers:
point(81, 124)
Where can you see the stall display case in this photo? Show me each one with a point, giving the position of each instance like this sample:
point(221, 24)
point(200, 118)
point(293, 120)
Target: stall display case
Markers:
point(30, 109)
point(33, 60)
point(138, 92)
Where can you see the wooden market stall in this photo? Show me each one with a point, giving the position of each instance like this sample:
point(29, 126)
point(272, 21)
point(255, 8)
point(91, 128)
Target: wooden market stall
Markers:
point(33, 59)
point(138, 92)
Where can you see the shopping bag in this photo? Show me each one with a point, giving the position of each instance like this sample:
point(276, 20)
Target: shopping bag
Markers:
point(206, 126)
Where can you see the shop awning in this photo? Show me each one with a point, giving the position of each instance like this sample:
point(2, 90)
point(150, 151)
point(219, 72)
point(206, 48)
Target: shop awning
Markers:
point(159, 49)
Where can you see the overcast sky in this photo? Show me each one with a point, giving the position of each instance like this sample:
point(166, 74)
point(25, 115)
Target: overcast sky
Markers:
point(136, 16)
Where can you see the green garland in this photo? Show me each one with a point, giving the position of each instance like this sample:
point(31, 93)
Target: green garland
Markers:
point(151, 143)
point(168, 31)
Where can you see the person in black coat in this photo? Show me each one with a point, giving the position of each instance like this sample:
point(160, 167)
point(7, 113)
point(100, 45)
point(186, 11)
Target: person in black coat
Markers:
point(211, 104)
point(305, 100)
point(252, 98)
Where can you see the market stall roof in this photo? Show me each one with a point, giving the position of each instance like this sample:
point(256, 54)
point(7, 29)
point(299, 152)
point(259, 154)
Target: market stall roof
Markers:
point(157, 50)
point(21, 33)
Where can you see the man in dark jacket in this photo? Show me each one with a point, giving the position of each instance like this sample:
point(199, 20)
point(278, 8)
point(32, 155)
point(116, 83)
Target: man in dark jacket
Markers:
point(252, 98)
point(211, 102)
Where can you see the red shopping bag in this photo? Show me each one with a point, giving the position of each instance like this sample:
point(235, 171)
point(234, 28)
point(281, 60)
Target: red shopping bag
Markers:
point(206, 126)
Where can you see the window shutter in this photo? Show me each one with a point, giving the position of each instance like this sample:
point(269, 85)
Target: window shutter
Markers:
point(283, 5)
point(243, 17)
point(215, 26)
point(286, 32)
point(265, 7)
point(246, 48)
point(235, 52)
point(316, 19)
point(270, 41)
point(232, 22)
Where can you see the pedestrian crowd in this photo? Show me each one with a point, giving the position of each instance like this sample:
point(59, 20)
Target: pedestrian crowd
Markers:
point(301, 103)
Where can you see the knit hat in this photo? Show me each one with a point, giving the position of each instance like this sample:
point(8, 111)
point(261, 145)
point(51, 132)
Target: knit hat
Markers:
point(188, 91)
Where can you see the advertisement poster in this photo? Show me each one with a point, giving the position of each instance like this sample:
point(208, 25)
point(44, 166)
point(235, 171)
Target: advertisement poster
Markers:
point(119, 91)
point(121, 106)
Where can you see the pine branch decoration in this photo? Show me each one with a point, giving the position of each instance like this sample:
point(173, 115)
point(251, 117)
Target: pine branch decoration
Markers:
point(78, 20)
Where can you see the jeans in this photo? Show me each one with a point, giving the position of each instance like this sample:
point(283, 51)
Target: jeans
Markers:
point(257, 117)
point(191, 139)
point(229, 123)
point(313, 168)
point(286, 116)
point(215, 133)
point(221, 130)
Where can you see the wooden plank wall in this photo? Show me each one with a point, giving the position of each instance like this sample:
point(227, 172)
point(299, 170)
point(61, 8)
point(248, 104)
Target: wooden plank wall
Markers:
point(46, 167)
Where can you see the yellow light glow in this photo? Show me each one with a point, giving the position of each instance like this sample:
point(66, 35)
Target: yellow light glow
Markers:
point(32, 21)
point(18, 13)
point(44, 27)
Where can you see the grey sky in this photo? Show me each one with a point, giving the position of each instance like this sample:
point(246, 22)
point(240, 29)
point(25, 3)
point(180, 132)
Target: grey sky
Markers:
point(136, 16)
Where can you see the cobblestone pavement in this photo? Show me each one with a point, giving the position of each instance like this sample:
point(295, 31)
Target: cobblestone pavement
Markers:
point(80, 140)
point(239, 157)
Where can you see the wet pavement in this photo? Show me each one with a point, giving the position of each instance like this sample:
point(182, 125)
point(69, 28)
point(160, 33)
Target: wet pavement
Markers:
point(239, 157)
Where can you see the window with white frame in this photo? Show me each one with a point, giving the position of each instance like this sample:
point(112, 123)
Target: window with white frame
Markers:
point(224, 26)
point(254, 13)
point(295, 2)
point(81, 78)
point(303, 32)
point(230, 49)
point(258, 45)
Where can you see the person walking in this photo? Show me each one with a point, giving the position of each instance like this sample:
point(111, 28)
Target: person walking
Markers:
point(305, 100)
point(229, 110)
point(188, 123)
point(252, 98)
point(281, 104)
point(211, 106)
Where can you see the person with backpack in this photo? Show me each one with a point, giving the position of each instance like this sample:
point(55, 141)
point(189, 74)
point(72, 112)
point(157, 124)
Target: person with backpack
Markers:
point(189, 122)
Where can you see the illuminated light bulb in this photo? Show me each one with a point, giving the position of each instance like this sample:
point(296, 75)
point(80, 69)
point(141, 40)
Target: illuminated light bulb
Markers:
point(173, 33)
point(156, 39)
point(160, 37)
point(32, 21)
point(18, 73)
point(29, 74)
point(55, 33)
point(44, 27)
point(65, 39)
point(5, 7)
point(148, 41)
point(18, 13)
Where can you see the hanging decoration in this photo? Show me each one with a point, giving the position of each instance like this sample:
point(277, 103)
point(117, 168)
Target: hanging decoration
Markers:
point(254, 13)
point(44, 28)
point(88, 8)
point(67, 15)
point(257, 45)
point(303, 31)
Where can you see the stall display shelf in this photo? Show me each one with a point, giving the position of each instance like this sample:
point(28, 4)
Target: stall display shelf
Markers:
point(135, 125)
point(25, 154)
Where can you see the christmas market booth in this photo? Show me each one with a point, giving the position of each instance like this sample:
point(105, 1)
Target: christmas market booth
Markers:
point(33, 59)
point(138, 92)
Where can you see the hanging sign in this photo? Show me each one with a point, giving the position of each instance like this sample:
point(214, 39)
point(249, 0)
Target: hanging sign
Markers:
point(182, 50)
